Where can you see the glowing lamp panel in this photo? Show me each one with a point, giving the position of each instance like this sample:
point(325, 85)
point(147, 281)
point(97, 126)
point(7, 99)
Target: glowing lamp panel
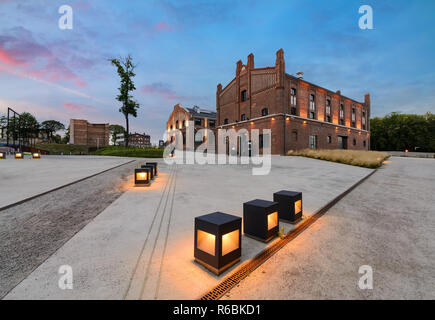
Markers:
point(141, 176)
point(206, 242)
point(230, 242)
point(298, 206)
point(272, 220)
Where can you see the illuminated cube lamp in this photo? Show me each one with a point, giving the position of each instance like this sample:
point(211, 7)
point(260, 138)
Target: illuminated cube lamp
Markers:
point(260, 219)
point(36, 155)
point(2, 155)
point(152, 169)
point(19, 155)
point(290, 205)
point(142, 177)
point(218, 241)
point(156, 166)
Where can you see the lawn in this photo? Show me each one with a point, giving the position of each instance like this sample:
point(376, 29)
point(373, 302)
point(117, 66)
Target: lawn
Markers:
point(366, 159)
point(130, 152)
point(57, 148)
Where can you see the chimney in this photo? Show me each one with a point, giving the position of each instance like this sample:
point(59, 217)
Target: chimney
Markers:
point(300, 75)
point(251, 61)
point(339, 92)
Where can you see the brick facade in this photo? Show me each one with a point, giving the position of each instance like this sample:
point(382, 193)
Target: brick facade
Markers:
point(84, 133)
point(287, 99)
point(180, 117)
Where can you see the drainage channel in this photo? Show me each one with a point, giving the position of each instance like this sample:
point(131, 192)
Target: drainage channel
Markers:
point(243, 271)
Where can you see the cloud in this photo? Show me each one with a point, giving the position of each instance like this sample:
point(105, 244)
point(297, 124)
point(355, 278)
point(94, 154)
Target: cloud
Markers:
point(162, 90)
point(78, 107)
point(163, 26)
point(19, 49)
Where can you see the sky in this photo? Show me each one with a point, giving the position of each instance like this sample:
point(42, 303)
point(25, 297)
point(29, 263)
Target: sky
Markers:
point(183, 49)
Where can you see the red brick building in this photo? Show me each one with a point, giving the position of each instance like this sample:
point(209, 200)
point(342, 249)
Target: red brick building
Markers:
point(180, 117)
point(84, 133)
point(300, 114)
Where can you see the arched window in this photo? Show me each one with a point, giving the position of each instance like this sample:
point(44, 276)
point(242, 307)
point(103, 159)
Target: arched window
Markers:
point(341, 114)
point(243, 95)
point(226, 121)
point(243, 117)
point(312, 113)
point(264, 112)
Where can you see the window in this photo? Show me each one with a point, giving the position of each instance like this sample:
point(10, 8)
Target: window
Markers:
point(295, 135)
point(198, 122)
point(328, 107)
point(260, 141)
point(293, 111)
point(264, 112)
point(364, 143)
point(293, 96)
point(243, 117)
point(176, 124)
point(312, 114)
point(363, 120)
point(341, 114)
point(243, 95)
point(312, 102)
point(329, 139)
point(313, 142)
point(226, 121)
point(211, 123)
point(354, 142)
point(353, 117)
point(171, 126)
point(328, 118)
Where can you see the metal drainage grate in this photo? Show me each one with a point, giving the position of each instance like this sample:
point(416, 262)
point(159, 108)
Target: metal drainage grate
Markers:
point(244, 270)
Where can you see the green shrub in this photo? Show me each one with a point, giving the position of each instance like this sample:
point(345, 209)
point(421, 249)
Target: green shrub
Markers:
point(119, 151)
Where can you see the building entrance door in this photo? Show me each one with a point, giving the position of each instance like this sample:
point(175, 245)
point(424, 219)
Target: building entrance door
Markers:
point(342, 142)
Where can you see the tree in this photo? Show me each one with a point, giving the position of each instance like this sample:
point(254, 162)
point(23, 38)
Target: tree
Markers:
point(398, 132)
point(28, 126)
point(65, 139)
point(114, 130)
point(50, 127)
point(125, 69)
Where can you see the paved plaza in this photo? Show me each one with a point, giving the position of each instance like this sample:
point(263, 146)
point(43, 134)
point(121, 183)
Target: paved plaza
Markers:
point(141, 245)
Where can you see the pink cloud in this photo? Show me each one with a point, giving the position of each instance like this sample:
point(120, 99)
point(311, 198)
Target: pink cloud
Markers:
point(163, 26)
point(160, 89)
point(20, 50)
point(7, 58)
point(77, 107)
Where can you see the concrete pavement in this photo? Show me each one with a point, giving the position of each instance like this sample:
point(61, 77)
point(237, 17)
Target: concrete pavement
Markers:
point(388, 223)
point(141, 247)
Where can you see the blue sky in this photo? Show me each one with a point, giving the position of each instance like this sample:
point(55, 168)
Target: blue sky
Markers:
point(185, 48)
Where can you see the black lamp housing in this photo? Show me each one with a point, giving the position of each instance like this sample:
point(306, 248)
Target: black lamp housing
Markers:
point(142, 177)
point(260, 219)
point(218, 241)
point(156, 166)
point(290, 205)
point(151, 167)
